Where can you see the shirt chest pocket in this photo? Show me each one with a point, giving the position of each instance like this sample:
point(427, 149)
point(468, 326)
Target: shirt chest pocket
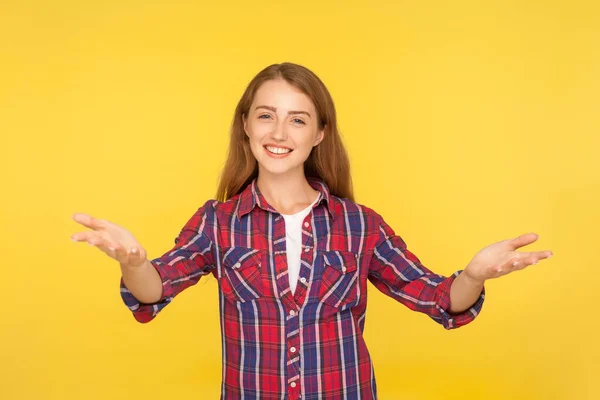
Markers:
point(339, 282)
point(241, 278)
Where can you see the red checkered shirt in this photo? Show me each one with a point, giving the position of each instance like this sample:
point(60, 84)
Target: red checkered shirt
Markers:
point(308, 344)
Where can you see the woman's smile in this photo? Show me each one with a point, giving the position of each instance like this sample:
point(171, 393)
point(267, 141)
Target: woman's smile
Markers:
point(277, 152)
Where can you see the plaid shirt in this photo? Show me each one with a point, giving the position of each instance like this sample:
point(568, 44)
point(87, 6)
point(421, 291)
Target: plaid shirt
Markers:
point(308, 344)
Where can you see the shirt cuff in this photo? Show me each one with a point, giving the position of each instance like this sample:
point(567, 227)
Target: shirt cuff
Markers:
point(452, 321)
point(145, 312)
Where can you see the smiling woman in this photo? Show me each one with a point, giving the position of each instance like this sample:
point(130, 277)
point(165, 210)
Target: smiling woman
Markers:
point(293, 253)
point(285, 106)
point(278, 131)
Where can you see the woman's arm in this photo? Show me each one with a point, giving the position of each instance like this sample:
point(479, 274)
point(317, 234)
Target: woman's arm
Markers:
point(398, 273)
point(464, 292)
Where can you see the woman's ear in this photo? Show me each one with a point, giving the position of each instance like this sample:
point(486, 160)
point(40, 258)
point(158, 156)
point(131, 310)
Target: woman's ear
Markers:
point(244, 124)
point(320, 136)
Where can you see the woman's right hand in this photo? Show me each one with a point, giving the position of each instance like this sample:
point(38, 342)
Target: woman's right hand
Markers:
point(114, 240)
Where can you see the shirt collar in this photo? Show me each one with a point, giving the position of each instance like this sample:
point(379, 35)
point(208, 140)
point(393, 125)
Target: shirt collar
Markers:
point(251, 197)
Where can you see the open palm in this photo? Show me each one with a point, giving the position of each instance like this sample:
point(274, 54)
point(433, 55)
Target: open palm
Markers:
point(114, 240)
point(501, 258)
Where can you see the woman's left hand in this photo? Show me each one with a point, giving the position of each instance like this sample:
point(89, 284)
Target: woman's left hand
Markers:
point(500, 258)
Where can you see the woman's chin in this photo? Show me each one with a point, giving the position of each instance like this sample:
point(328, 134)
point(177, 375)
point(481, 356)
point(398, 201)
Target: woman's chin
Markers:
point(277, 169)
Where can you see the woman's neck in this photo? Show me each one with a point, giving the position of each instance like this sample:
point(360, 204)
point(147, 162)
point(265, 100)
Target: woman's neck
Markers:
point(287, 194)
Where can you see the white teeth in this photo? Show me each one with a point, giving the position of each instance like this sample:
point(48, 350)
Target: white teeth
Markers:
point(277, 150)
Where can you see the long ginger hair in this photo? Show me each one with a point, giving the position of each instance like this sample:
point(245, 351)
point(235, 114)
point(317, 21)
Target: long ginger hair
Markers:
point(327, 161)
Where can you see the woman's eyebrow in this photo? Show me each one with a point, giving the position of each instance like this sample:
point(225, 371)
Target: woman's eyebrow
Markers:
point(274, 109)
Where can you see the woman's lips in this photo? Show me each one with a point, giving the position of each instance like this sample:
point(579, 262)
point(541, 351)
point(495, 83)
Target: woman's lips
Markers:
point(276, 155)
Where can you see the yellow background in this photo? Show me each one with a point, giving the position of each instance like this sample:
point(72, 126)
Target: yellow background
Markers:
point(467, 122)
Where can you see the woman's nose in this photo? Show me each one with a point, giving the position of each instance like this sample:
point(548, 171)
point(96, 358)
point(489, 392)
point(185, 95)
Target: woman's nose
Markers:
point(279, 132)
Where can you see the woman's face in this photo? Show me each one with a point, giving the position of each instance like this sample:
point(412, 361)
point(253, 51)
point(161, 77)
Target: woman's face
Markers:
point(282, 127)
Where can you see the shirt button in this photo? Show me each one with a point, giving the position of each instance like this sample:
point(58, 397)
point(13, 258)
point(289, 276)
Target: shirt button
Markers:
point(293, 384)
point(303, 280)
point(306, 224)
point(343, 269)
point(236, 265)
point(292, 313)
point(293, 349)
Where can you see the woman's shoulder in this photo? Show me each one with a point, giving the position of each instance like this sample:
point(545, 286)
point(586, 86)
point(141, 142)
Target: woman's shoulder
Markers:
point(213, 206)
point(345, 205)
point(214, 209)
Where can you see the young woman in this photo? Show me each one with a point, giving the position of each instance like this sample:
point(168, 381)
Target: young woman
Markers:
point(292, 253)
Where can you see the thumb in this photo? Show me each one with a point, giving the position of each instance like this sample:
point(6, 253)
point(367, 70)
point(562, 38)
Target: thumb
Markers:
point(523, 240)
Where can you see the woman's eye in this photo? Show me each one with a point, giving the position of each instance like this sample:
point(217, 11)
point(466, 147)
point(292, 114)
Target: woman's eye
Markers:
point(264, 115)
point(298, 120)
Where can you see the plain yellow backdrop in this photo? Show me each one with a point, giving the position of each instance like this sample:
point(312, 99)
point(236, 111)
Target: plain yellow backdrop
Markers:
point(467, 122)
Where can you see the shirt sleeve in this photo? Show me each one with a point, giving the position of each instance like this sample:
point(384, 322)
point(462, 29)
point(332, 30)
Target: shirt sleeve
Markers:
point(179, 268)
point(399, 274)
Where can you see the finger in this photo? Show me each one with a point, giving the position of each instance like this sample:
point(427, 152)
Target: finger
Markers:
point(536, 256)
point(519, 265)
point(93, 238)
point(525, 259)
point(102, 244)
point(88, 221)
point(126, 255)
point(107, 244)
point(502, 270)
point(523, 240)
point(120, 252)
point(84, 236)
point(136, 256)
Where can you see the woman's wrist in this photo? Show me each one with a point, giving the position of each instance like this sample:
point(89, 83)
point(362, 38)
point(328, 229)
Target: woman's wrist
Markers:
point(472, 281)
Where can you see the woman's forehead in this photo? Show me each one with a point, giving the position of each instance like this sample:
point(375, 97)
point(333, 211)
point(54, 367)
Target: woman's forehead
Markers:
point(282, 96)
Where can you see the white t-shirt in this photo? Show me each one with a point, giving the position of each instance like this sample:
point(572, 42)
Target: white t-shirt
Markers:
point(293, 242)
